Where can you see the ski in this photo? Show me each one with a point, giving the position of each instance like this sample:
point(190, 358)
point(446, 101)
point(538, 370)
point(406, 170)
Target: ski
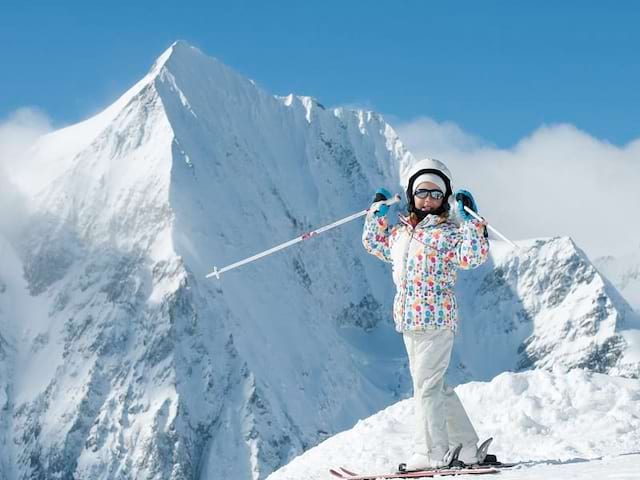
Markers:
point(348, 472)
point(345, 474)
point(488, 465)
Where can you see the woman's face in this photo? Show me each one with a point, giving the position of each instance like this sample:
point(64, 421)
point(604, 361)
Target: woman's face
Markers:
point(427, 204)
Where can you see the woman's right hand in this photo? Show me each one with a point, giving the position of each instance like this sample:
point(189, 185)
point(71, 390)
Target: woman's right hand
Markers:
point(379, 207)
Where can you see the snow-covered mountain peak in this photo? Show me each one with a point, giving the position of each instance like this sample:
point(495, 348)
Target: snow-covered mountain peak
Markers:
point(183, 58)
point(197, 70)
point(56, 153)
point(572, 269)
point(543, 306)
point(177, 48)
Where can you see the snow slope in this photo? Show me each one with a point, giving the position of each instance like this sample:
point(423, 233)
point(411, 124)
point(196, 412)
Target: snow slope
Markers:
point(550, 420)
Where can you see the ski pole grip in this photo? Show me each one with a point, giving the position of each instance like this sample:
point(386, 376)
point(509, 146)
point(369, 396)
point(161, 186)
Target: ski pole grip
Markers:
point(381, 195)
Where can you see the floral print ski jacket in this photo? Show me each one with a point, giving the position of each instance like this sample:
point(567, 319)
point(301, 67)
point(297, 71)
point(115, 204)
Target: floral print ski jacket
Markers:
point(425, 262)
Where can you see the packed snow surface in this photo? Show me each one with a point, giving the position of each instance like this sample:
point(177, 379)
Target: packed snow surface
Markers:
point(561, 425)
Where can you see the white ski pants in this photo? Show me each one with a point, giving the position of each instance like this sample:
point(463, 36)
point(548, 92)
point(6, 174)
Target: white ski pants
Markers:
point(441, 421)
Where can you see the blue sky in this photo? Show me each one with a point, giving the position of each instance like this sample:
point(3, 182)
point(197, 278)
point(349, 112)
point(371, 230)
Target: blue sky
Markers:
point(498, 69)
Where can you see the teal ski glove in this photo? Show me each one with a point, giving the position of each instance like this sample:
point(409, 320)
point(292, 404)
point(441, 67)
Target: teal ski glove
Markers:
point(465, 199)
point(381, 195)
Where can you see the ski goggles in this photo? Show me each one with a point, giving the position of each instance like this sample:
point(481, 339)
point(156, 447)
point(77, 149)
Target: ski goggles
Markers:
point(425, 192)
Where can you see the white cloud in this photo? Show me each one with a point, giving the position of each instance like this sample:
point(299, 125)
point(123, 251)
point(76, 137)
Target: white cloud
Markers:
point(426, 134)
point(17, 133)
point(557, 181)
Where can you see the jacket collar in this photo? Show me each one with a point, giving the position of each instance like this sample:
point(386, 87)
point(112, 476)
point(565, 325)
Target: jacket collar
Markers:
point(428, 221)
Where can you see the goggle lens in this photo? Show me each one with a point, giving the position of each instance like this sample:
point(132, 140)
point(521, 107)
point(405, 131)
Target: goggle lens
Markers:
point(424, 193)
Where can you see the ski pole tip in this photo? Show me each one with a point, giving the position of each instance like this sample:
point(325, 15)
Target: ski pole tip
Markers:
point(215, 273)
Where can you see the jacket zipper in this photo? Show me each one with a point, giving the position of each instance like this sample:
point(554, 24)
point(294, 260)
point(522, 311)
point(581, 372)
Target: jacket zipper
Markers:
point(406, 256)
point(404, 268)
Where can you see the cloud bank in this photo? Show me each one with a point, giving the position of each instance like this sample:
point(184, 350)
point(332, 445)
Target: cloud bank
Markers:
point(557, 181)
point(17, 134)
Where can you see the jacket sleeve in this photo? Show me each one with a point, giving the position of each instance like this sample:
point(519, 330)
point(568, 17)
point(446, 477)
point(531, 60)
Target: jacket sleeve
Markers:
point(376, 237)
point(472, 248)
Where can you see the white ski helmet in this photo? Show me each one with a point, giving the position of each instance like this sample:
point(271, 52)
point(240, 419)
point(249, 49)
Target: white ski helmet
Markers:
point(426, 165)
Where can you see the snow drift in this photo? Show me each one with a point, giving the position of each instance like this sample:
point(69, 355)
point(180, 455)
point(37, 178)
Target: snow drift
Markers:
point(536, 417)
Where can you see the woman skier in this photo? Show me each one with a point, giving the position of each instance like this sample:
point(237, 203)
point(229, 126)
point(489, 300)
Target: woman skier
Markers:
point(426, 249)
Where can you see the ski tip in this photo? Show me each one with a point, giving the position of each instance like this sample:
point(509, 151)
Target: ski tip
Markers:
point(348, 472)
point(336, 473)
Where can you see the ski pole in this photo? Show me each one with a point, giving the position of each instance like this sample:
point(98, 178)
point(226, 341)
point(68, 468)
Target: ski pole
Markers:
point(216, 273)
point(478, 217)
